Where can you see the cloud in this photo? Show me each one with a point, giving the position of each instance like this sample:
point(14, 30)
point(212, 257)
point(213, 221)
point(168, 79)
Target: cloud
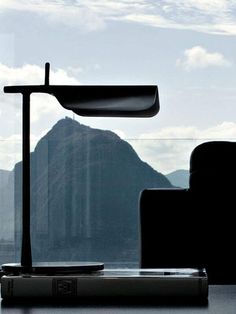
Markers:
point(155, 20)
point(33, 74)
point(206, 6)
point(28, 74)
point(11, 149)
point(62, 12)
point(221, 131)
point(208, 16)
point(170, 148)
point(90, 15)
point(199, 57)
point(45, 110)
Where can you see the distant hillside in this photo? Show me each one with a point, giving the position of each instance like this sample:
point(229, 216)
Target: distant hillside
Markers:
point(4, 176)
point(6, 205)
point(85, 190)
point(179, 178)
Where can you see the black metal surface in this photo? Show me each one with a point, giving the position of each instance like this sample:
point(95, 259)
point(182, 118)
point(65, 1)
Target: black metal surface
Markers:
point(103, 101)
point(53, 268)
point(26, 256)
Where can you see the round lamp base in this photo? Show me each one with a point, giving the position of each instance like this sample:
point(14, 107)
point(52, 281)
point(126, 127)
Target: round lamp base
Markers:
point(53, 268)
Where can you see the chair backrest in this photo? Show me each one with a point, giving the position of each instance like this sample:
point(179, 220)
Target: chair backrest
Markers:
point(195, 227)
point(171, 232)
point(213, 166)
point(213, 187)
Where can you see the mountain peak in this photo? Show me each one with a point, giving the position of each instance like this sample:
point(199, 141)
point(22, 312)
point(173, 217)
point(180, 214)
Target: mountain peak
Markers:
point(66, 127)
point(68, 122)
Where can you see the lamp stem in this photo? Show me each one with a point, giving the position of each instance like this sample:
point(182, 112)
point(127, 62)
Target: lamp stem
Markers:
point(26, 256)
point(47, 70)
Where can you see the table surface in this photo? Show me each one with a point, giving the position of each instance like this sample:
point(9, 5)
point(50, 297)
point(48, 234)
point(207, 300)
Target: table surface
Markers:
point(222, 299)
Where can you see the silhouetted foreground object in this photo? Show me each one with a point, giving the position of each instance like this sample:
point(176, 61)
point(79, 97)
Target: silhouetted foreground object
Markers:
point(155, 284)
point(194, 227)
point(112, 101)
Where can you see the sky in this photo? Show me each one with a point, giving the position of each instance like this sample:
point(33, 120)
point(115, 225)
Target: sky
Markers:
point(186, 47)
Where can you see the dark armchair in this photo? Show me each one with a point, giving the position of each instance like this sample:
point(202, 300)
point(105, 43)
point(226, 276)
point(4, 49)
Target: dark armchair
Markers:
point(195, 227)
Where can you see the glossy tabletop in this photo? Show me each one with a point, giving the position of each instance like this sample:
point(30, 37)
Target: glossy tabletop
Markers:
point(222, 299)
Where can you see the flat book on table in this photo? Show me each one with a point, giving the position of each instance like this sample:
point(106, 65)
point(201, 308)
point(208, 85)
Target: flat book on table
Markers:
point(109, 283)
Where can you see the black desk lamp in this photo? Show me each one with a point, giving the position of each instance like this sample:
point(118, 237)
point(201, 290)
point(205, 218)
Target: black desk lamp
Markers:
point(102, 101)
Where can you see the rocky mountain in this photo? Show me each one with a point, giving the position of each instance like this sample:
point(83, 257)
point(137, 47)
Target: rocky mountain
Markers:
point(179, 178)
point(4, 177)
point(6, 205)
point(85, 190)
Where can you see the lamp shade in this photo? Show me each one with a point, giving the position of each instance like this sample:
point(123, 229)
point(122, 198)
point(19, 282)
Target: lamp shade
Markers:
point(102, 101)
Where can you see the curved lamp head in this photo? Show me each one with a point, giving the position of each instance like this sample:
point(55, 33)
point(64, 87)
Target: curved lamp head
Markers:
point(99, 101)
point(110, 101)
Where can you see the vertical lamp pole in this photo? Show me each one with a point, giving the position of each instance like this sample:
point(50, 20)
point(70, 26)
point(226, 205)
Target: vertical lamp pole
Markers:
point(26, 256)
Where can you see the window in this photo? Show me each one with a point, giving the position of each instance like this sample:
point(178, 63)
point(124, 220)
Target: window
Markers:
point(87, 173)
